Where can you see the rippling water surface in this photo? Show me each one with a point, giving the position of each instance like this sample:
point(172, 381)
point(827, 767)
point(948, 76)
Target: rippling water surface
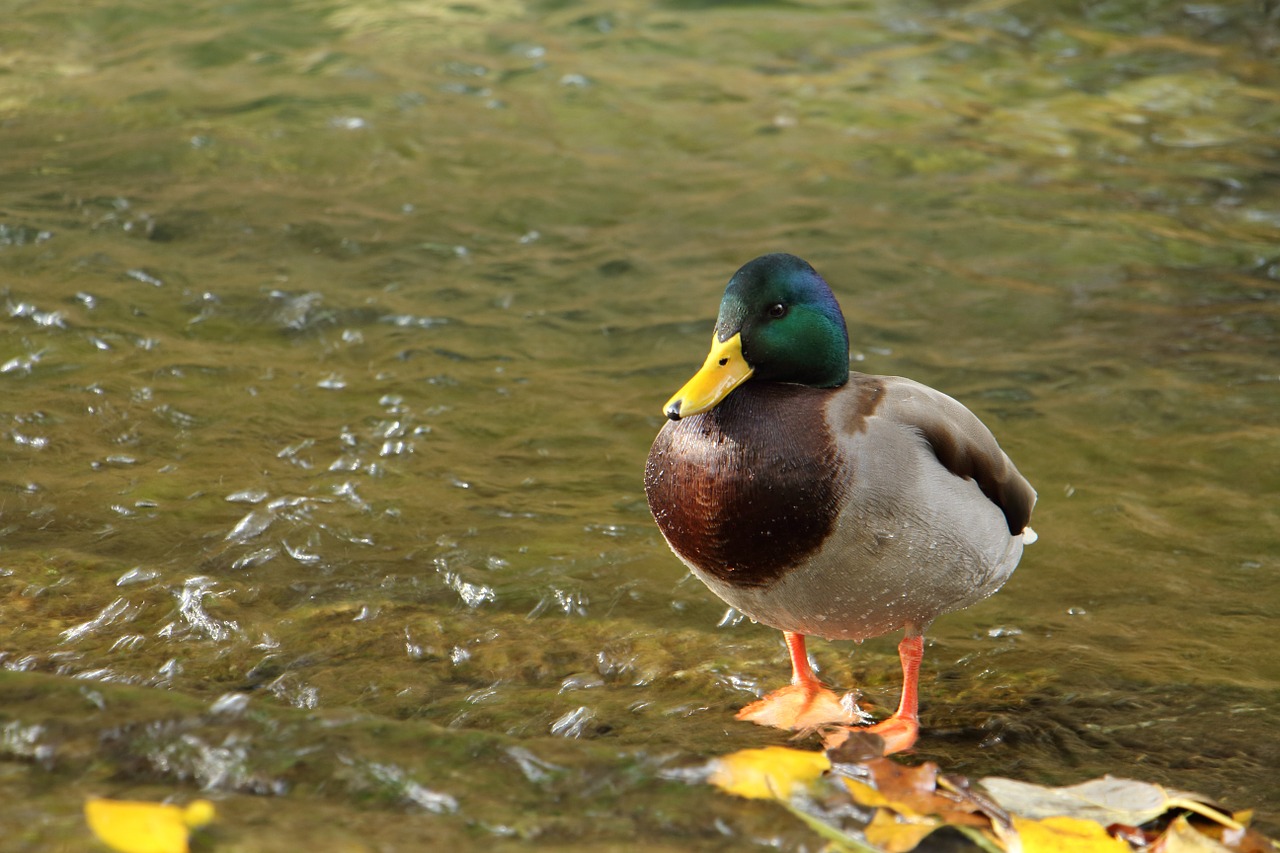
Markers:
point(336, 336)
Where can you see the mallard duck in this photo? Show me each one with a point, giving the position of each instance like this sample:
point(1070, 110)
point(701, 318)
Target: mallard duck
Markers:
point(828, 503)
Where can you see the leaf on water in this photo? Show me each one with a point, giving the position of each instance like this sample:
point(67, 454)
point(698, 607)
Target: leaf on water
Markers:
point(1106, 801)
point(770, 773)
point(866, 795)
point(140, 827)
point(909, 805)
point(1182, 837)
point(903, 805)
point(896, 833)
point(1064, 835)
point(912, 792)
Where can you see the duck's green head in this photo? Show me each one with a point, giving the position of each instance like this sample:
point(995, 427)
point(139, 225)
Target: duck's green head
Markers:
point(779, 322)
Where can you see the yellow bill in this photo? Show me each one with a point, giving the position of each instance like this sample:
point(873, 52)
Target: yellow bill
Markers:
point(724, 370)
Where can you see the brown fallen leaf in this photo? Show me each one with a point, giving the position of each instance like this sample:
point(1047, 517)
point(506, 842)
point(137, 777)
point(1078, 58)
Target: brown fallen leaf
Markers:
point(960, 789)
point(910, 791)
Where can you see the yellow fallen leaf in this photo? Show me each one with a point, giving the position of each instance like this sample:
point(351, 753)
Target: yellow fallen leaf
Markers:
point(140, 827)
point(770, 773)
point(897, 834)
point(865, 795)
point(1065, 835)
point(1182, 837)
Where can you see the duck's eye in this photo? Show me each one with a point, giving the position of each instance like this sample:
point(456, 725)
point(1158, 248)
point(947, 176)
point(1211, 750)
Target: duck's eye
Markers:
point(777, 311)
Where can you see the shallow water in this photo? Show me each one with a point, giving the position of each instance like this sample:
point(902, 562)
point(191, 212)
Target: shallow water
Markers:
point(337, 335)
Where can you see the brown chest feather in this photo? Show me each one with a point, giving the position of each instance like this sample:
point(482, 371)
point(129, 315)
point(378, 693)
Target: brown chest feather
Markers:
point(750, 488)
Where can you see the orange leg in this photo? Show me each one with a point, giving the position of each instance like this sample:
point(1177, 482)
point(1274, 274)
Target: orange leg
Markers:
point(801, 672)
point(901, 730)
point(803, 704)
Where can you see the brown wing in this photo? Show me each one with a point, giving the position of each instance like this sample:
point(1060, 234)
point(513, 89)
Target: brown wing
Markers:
point(962, 443)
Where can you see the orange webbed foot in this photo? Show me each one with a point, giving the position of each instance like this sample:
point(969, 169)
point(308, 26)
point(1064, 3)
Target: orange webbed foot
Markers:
point(802, 707)
point(900, 731)
point(896, 734)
